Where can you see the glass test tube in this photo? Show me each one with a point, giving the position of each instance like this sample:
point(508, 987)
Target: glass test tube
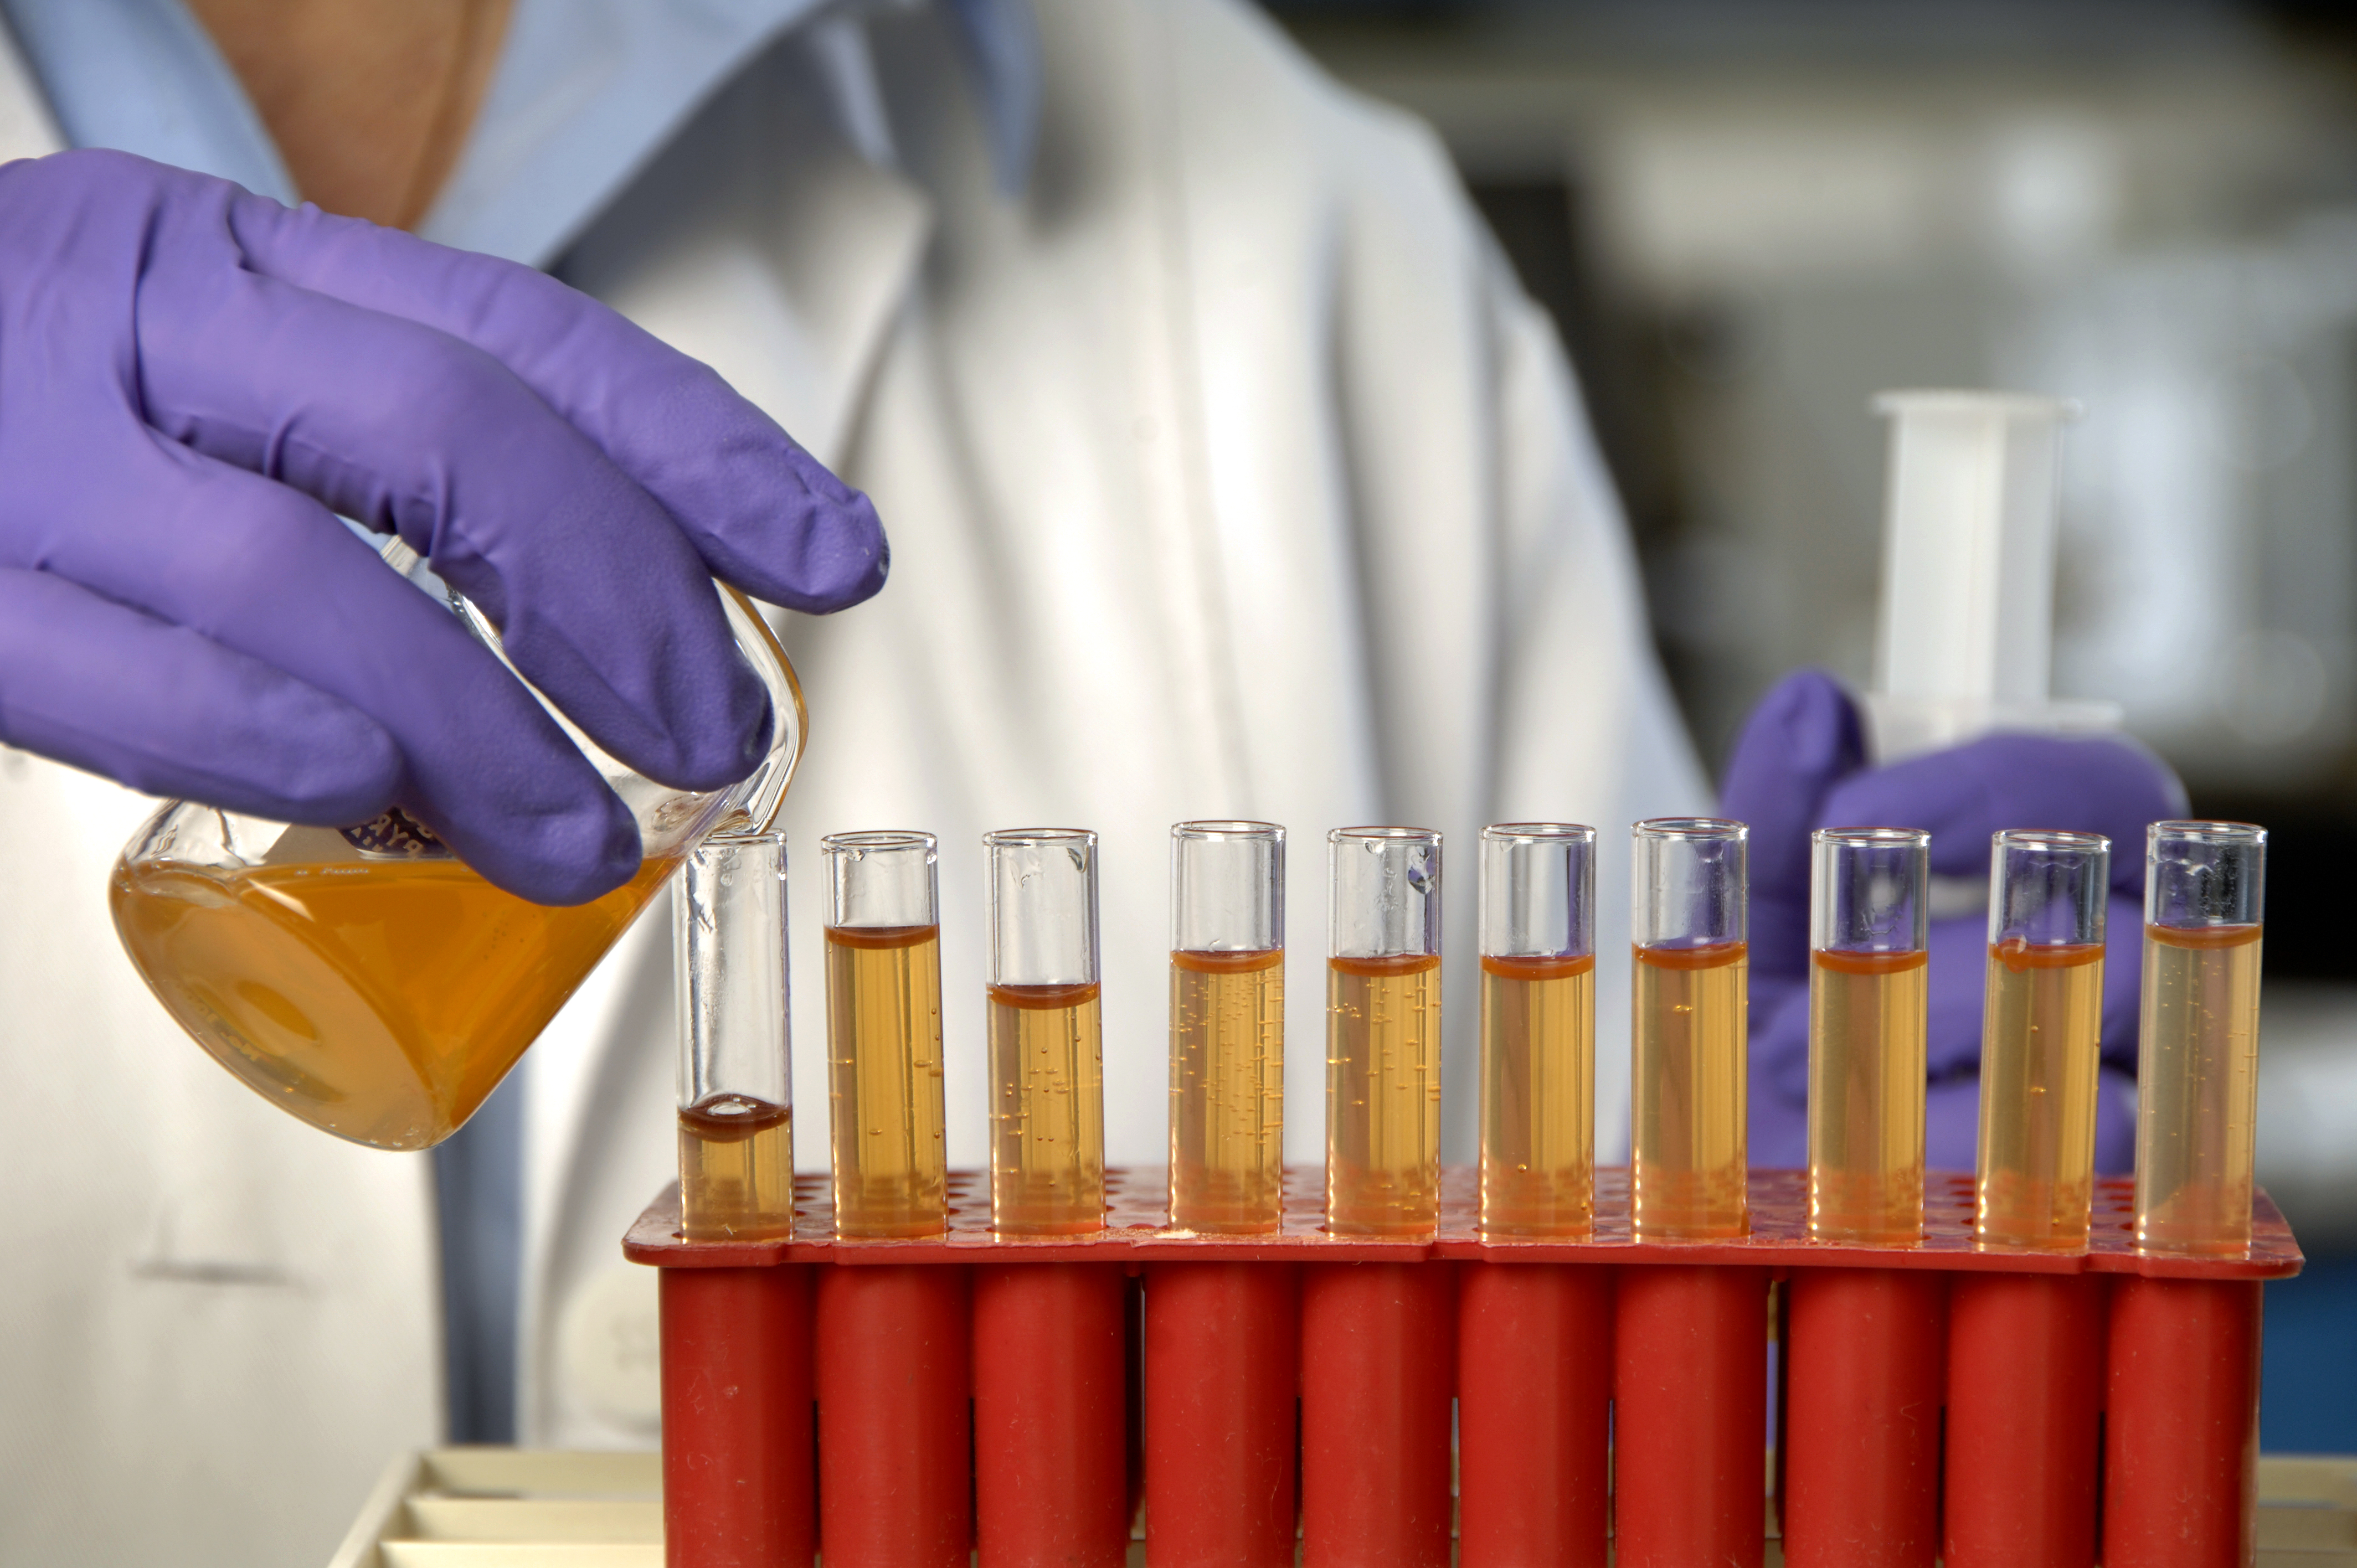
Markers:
point(1047, 1047)
point(1383, 1032)
point(1868, 965)
point(1538, 1029)
point(1227, 1027)
point(883, 1033)
point(1692, 974)
point(735, 1079)
point(2041, 1028)
point(2198, 1065)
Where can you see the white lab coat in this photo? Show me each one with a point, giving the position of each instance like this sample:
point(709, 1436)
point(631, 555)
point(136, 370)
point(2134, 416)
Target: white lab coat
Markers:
point(1228, 474)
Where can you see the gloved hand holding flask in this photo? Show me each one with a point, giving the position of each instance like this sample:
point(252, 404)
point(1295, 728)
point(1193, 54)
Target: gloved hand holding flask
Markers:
point(194, 381)
point(1800, 765)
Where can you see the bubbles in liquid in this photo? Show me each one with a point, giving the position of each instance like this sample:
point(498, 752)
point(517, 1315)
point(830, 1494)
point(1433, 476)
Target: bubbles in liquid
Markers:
point(1382, 1095)
point(1227, 1092)
point(1046, 1114)
point(1538, 1096)
point(884, 1075)
point(1866, 1095)
point(1687, 1101)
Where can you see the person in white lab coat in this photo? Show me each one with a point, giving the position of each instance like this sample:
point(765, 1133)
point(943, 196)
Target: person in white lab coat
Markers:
point(1227, 472)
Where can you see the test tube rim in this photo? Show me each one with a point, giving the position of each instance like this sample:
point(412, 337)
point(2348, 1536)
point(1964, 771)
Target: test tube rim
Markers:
point(1730, 857)
point(2051, 841)
point(724, 838)
point(1380, 835)
point(1557, 835)
point(844, 851)
point(1213, 830)
point(1037, 838)
point(2221, 830)
point(1079, 844)
point(2047, 838)
point(1538, 832)
point(1724, 829)
point(880, 838)
point(1269, 838)
point(2222, 833)
point(1374, 837)
point(1917, 838)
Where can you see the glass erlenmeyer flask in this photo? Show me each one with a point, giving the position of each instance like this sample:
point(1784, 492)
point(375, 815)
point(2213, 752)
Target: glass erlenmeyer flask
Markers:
point(367, 980)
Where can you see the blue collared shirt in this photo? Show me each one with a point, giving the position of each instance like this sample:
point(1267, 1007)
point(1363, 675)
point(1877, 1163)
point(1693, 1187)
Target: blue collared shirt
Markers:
point(585, 93)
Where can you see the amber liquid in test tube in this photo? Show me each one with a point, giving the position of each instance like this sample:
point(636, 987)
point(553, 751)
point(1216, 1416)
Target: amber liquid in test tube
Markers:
point(1538, 1030)
point(2198, 1045)
point(883, 1035)
point(1689, 1032)
point(736, 1082)
point(1047, 1046)
point(2041, 1031)
point(1869, 964)
point(1383, 1032)
point(1227, 1027)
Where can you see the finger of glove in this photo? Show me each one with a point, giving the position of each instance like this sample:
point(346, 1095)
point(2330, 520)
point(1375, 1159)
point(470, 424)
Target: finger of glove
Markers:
point(1951, 1124)
point(762, 512)
point(1957, 993)
point(2100, 784)
point(2123, 977)
point(1779, 1075)
point(602, 603)
point(264, 571)
point(100, 686)
point(2116, 1120)
point(1801, 740)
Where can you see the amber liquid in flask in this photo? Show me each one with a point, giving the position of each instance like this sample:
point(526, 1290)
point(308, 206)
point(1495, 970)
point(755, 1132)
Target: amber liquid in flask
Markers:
point(1227, 1092)
point(2199, 1088)
point(1866, 1095)
point(884, 1080)
point(735, 1170)
point(1688, 1092)
point(1382, 1095)
point(2038, 1065)
point(1538, 1096)
point(1047, 1112)
point(380, 1000)
point(360, 978)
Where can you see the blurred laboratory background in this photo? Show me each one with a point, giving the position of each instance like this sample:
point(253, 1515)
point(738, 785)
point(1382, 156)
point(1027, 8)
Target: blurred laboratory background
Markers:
point(1748, 216)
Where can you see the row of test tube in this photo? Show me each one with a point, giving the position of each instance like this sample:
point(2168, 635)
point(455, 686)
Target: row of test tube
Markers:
point(1868, 1018)
point(2041, 1029)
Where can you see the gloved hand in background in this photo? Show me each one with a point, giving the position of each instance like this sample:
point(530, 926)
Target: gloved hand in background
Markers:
point(1800, 765)
point(193, 382)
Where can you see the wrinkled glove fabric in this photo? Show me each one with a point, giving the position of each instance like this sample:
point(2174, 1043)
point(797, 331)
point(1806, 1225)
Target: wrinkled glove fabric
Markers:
point(194, 381)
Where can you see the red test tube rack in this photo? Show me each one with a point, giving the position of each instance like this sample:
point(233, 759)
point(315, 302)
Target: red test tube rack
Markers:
point(903, 1402)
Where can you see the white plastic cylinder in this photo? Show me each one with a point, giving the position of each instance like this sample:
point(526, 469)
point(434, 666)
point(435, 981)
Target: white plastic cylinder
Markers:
point(1965, 640)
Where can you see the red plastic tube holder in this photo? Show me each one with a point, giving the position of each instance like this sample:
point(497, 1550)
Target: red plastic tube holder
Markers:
point(900, 1403)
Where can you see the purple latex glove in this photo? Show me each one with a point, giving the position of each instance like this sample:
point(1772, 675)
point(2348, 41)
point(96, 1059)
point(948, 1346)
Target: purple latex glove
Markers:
point(1800, 765)
point(194, 379)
